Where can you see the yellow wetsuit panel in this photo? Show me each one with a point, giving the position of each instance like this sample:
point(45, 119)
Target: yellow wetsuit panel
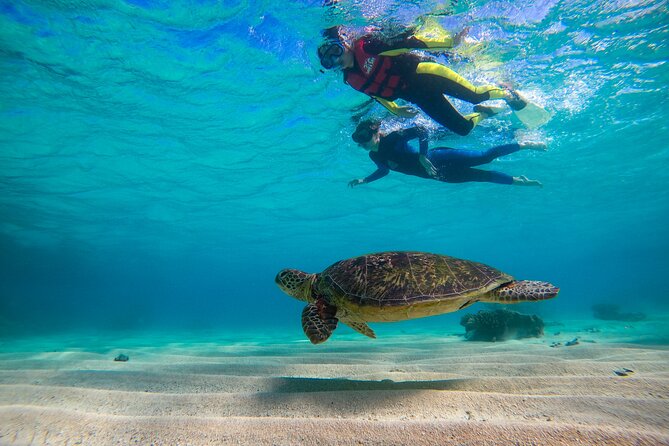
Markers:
point(390, 105)
point(475, 118)
point(445, 72)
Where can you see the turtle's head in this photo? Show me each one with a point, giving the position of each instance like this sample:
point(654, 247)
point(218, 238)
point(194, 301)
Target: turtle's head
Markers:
point(296, 283)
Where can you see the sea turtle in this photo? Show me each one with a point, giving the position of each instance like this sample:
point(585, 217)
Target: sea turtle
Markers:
point(396, 286)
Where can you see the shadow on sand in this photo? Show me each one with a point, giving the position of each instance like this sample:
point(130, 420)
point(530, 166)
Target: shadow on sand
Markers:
point(302, 385)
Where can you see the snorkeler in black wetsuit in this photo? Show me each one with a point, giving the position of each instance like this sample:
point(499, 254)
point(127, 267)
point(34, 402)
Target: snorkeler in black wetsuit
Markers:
point(392, 152)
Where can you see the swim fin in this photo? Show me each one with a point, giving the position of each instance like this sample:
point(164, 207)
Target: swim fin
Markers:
point(433, 35)
point(529, 113)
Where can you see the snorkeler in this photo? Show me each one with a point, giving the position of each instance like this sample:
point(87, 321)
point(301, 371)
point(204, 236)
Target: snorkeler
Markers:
point(386, 70)
point(392, 152)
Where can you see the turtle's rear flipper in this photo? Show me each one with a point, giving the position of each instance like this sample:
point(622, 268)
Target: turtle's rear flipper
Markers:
point(319, 321)
point(524, 291)
point(360, 327)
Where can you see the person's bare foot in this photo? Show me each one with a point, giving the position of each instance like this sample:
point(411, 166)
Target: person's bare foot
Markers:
point(515, 100)
point(488, 110)
point(524, 181)
point(533, 145)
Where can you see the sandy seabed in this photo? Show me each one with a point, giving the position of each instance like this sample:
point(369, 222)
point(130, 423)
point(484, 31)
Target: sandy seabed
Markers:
point(408, 389)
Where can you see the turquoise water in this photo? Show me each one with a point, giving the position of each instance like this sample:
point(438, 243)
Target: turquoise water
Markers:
point(161, 161)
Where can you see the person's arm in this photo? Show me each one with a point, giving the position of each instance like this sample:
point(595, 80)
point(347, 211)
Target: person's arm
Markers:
point(435, 38)
point(406, 42)
point(397, 110)
point(422, 142)
point(381, 171)
point(416, 132)
point(421, 134)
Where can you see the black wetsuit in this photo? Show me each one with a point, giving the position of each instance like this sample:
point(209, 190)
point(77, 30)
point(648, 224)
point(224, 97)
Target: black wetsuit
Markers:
point(453, 165)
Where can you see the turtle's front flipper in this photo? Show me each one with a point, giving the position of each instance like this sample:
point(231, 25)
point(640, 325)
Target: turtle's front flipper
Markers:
point(360, 327)
point(319, 321)
point(523, 291)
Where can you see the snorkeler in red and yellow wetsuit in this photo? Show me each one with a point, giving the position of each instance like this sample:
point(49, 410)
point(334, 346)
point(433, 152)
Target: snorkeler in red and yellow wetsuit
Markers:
point(386, 70)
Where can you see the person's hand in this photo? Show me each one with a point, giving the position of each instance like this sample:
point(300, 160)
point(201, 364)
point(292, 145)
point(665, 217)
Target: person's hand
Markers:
point(428, 166)
point(457, 39)
point(356, 182)
point(406, 111)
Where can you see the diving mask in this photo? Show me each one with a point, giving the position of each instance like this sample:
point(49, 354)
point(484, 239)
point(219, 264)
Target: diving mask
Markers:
point(329, 54)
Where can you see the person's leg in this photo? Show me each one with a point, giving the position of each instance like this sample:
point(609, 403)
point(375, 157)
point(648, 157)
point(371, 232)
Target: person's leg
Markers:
point(431, 81)
point(443, 157)
point(452, 84)
point(437, 107)
point(466, 174)
point(495, 152)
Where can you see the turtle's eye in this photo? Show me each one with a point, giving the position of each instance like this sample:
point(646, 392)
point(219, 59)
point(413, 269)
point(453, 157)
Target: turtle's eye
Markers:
point(281, 278)
point(287, 279)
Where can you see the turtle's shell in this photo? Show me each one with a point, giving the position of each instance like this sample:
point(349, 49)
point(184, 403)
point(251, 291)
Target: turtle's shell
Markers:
point(406, 279)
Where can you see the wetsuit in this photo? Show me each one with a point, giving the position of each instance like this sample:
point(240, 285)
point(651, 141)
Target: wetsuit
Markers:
point(385, 70)
point(453, 165)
